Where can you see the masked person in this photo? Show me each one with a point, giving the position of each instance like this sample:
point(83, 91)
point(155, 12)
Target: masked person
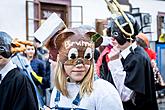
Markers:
point(130, 67)
point(39, 75)
point(143, 41)
point(75, 87)
point(16, 90)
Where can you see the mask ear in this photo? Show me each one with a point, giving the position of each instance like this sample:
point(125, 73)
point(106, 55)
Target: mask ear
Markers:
point(96, 38)
point(61, 37)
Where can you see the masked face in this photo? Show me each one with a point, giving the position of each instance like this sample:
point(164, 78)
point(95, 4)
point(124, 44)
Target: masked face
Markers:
point(75, 53)
point(79, 54)
point(74, 47)
point(78, 60)
point(118, 34)
point(5, 45)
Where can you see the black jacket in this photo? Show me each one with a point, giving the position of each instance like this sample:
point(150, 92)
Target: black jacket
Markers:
point(17, 92)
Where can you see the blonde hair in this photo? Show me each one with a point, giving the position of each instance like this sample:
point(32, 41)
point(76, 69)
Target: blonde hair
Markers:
point(86, 85)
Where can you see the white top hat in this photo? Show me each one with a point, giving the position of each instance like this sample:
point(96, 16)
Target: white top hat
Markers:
point(51, 26)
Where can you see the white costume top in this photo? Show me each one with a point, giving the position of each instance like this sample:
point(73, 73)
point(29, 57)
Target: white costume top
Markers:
point(103, 97)
point(118, 74)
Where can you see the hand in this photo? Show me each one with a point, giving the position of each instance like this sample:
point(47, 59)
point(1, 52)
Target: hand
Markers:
point(114, 53)
point(153, 63)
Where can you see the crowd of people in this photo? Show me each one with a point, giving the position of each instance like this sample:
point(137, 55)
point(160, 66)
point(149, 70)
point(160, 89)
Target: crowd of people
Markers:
point(121, 77)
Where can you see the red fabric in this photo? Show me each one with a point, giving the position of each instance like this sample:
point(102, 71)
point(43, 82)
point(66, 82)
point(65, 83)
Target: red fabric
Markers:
point(151, 53)
point(100, 59)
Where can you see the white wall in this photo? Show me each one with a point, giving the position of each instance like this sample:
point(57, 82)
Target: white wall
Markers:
point(12, 18)
point(92, 9)
point(152, 7)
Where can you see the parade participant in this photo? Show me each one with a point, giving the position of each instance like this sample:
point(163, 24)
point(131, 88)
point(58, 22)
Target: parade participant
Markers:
point(18, 58)
point(102, 62)
point(16, 90)
point(39, 48)
point(38, 66)
point(40, 76)
point(75, 87)
point(46, 34)
point(131, 67)
point(143, 41)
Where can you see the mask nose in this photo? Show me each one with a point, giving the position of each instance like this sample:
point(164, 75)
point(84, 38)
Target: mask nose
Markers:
point(79, 61)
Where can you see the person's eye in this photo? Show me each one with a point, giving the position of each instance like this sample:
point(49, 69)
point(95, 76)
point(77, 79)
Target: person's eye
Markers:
point(73, 54)
point(88, 54)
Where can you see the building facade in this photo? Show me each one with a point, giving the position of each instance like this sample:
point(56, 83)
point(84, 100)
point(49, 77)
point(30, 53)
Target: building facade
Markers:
point(21, 18)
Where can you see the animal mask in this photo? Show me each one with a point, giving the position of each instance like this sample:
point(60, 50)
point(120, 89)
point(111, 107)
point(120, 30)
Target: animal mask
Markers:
point(75, 46)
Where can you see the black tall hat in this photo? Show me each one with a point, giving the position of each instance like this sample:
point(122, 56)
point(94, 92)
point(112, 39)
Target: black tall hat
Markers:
point(118, 34)
point(5, 44)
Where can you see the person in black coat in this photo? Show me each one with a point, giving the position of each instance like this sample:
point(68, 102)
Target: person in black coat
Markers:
point(16, 90)
point(131, 68)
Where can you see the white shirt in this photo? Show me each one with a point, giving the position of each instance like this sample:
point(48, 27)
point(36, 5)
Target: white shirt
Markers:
point(127, 51)
point(6, 69)
point(103, 97)
point(118, 74)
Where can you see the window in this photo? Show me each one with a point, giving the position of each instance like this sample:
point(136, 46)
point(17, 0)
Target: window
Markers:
point(77, 19)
